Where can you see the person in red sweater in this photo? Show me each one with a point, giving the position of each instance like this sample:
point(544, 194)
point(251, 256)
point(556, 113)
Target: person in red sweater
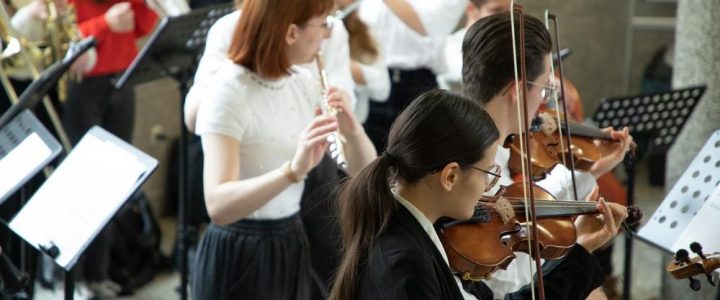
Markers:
point(116, 25)
point(93, 100)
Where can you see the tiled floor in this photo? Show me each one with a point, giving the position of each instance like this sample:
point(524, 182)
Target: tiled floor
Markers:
point(647, 269)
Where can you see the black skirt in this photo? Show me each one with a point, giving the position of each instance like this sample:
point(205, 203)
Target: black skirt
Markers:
point(253, 259)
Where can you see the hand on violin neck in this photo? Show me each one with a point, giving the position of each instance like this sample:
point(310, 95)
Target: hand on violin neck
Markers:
point(610, 161)
point(593, 231)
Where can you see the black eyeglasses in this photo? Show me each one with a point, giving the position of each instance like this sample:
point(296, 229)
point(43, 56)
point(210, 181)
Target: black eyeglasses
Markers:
point(491, 177)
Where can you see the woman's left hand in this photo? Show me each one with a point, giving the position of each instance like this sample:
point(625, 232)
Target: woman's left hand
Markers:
point(340, 101)
point(595, 231)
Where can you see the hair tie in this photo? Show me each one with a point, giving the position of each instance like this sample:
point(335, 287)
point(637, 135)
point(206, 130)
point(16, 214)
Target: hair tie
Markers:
point(392, 160)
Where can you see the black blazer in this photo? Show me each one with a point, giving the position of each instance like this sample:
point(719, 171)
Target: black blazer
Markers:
point(405, 264)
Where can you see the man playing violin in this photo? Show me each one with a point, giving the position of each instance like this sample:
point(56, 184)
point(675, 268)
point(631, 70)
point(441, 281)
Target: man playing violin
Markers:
point(489, 78)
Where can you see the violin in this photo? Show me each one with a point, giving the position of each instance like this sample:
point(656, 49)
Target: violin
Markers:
point(479, 246)
point(548, 148)
point(684, 267)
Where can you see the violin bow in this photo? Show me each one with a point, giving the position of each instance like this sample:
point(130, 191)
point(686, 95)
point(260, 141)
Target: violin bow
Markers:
point(524, 125)
point(567, 136)
point(560, 101)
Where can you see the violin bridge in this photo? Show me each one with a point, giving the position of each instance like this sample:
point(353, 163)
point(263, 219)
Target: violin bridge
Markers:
point(504, 209)
point(467, 277)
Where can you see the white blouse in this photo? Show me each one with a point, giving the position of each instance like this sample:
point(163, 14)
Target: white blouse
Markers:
point(265, 117)
point(336, 54)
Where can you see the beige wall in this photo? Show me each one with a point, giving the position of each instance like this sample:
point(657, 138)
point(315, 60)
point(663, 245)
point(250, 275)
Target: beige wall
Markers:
point(595, 31)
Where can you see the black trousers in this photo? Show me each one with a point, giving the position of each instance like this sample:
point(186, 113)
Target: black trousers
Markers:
point(405, 86)
point(253, 259)
point(319, 214)
point(95, 101)
point(203, 3)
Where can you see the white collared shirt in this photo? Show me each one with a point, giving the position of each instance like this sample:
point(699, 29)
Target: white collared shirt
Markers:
point(405, 48)
point(376, 87)
point(452, 79)
point(430, 230)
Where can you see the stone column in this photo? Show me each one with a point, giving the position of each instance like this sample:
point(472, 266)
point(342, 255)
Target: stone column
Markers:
point(697, 61)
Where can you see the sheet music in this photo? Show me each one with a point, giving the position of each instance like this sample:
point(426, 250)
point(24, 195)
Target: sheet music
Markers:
point(79, 198)
point(702, 227)
point(686, 200)
point(21, 161)
point(26, 146)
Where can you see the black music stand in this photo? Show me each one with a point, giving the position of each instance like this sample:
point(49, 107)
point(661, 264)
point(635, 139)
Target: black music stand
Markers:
point(47, 80)
point(26, 147)
point(174, 50)
point(29, 99)
point(654, 120)
point(73, 205)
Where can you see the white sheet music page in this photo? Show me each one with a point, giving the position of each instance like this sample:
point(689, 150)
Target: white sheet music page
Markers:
point(703, 226)
point(21, 161)
point(80, 197)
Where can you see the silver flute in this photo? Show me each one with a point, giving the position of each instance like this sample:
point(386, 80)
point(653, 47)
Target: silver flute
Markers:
point(336, 149)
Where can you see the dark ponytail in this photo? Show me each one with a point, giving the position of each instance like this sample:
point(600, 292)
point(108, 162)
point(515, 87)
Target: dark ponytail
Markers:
point(437, 128)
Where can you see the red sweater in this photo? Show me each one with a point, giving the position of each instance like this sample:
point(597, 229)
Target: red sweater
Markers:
point(115, 51)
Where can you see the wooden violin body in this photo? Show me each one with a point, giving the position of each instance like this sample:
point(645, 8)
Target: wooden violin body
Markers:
point(479, 246)
point(548, 148)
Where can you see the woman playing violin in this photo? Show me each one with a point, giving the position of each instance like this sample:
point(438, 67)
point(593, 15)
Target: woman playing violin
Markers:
point(489, 79)
point(438, 163)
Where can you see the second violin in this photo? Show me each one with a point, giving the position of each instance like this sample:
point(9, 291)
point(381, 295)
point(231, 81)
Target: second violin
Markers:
point(548, 148)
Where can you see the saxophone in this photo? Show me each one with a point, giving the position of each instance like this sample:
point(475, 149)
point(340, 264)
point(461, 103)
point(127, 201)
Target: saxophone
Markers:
point(20, 56)
point(336, 149)
point(62, 31)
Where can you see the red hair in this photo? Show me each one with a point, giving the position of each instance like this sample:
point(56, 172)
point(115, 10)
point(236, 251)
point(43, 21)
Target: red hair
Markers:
point(258, 42)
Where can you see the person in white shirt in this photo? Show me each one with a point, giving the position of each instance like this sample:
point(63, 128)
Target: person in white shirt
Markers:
point(475, 10)
point(372, 82)
point(261, 136)
point(411, 33)
point(335, 50)
point(317, 199)
point(488, 77)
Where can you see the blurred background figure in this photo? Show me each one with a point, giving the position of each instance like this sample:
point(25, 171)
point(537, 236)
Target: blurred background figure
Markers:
point(412, 34)
point(474, 10)
point(367, 63)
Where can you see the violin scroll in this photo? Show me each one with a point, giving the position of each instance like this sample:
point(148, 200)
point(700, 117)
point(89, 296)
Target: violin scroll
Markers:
point(683, 266)
point(634, 216)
